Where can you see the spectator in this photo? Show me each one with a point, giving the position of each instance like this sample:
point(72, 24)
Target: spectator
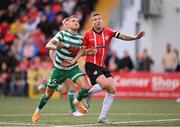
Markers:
point(169, 60)
point(19, 82)
point(177, 54)
point(29, 49)
point(4, 79)
point(144, 61)
point(45, 26)
point(112, 61)
point(140, 61)
point(9, 37)
point(25, 64)
point(17, 26)
point(11, 60)
point(4, 27)
point(127, 64)
point(57, 23)
point(68, 6)
point(10, 15)
point(31, 25)
point(48, 13)
point(3, 48)
point(56, 7)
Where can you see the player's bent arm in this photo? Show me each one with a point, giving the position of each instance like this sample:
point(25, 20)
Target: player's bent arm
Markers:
point(130, 37)
point(79, 54)
point(51, 55)
point(90, 51)
point(74, 60)
point(54, 45)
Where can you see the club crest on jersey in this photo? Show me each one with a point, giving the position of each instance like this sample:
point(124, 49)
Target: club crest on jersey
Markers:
point(106, 37)
point(95, 72)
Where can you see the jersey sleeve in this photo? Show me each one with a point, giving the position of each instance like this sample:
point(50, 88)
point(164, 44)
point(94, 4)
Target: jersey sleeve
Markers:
point(112, 33)
point(58, 37)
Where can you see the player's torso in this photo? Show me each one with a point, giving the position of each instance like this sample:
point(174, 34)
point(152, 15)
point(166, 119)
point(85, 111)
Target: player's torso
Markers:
point(72, 44)
point(98, 40)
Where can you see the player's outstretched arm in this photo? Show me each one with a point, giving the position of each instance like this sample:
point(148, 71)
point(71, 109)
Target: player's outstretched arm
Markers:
point(130, 37)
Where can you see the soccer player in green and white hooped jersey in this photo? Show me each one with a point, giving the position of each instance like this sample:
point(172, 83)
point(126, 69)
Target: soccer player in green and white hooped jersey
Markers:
point(68, 86)
point(67, 44)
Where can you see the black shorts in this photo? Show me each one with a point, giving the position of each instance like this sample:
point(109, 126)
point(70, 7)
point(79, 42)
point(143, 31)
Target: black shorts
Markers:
point(94, 71)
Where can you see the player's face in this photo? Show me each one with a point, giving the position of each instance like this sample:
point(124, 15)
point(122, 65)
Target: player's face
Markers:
point(97, 22)
point(74, 23)
point(66, 25)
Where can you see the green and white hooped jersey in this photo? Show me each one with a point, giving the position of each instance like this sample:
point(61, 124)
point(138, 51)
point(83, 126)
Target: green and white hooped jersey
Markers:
point(70, 42)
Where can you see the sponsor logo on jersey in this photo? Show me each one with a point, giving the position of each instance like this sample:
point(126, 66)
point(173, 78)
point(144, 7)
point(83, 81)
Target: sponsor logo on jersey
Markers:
point(106, 37)
point(95, 72)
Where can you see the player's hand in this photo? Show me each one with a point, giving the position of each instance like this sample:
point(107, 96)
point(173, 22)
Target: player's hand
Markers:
point(59, 46)
point(140, 34)
point(67, 63)
point(91, 51)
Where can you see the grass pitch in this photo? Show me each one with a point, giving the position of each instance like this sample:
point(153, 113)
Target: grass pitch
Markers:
point(18, 112)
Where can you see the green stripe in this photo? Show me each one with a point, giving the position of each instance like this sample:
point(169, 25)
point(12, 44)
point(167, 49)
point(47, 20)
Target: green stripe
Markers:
point(60, 37)
point(66, 48)
point(70, 34)
point(65, 54)
point(71, 43)
point(60, 58)
point(65, 51)
point(73, 37)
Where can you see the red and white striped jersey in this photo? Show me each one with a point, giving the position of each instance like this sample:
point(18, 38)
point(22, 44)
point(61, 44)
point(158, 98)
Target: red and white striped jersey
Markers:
point(93, 39)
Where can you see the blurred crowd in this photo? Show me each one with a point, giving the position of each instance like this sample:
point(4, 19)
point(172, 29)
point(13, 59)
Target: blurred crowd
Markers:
point(25, 28)
point(144, 62)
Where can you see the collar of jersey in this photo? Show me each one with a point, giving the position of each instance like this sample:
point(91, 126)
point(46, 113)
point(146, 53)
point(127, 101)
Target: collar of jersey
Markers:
point(98, 32)
point(71, 33)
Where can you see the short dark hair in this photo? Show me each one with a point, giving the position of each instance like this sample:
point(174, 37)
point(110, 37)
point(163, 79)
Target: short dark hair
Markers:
point(65, 19)
point(94, 14)
point(73, 16)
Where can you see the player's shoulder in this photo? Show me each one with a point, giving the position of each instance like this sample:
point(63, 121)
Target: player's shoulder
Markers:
point(109, 29)
point(60, 32)
point(79, 36)
point(63, 32)
point(88, 32)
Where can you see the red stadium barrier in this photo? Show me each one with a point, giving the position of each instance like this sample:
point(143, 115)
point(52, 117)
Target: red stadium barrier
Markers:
point(146, 85)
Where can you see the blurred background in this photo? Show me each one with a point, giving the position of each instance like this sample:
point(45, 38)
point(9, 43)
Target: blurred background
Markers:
point(147, 68)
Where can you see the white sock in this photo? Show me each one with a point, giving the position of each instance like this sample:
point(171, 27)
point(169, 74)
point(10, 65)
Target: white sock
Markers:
point(38, 110)
point(95, 89)
point(106, 105)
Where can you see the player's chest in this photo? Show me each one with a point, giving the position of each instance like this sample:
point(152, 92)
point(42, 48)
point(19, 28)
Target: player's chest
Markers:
point(72, 41)
point(99, 39)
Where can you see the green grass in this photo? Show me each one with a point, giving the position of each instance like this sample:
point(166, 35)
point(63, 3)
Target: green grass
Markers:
point(18, 112)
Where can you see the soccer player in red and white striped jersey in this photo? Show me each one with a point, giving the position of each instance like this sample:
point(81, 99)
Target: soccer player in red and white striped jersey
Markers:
point(99, 38)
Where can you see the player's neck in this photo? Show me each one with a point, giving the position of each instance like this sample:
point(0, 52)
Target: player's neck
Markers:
point(73, 31)
point(98, 30)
